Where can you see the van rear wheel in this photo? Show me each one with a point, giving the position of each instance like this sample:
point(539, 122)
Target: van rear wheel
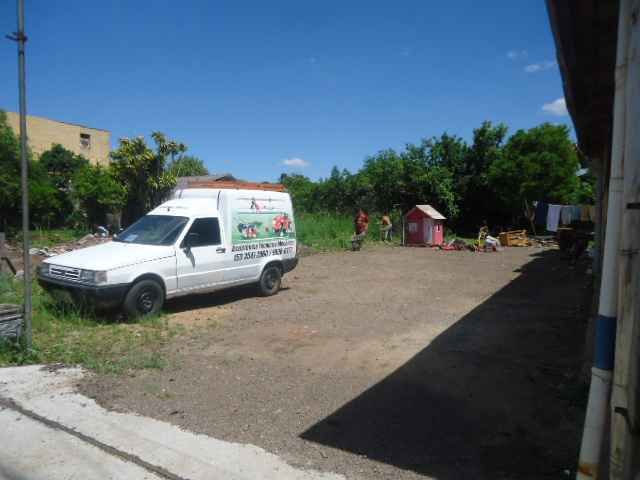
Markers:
point(270, 281)
point(145, 298)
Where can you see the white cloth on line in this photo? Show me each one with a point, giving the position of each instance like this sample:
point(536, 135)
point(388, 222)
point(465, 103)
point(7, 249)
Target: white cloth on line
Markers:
point(553, 217)
point(566, 214)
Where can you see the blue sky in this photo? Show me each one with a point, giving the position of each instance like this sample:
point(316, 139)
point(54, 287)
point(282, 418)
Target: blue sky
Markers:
point(252, 85)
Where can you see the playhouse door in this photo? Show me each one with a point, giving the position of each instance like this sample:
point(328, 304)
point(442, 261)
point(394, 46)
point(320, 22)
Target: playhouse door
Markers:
point(428, 230)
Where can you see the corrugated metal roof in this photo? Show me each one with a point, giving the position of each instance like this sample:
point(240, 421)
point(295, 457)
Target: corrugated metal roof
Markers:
point(432, 212)
point(586, 33)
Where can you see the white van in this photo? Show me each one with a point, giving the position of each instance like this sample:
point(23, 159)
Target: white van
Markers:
point(204, 239)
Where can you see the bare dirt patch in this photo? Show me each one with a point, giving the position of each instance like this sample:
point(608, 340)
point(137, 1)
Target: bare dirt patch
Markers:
point(386, 363)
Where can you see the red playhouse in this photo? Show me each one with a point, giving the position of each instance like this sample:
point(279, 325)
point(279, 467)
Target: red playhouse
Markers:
point(425, 226)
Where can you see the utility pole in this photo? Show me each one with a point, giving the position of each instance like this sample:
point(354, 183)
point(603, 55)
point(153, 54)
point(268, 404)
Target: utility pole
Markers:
point(20, 38)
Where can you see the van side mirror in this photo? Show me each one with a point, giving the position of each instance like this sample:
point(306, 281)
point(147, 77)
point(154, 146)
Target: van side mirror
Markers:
point(191, 240)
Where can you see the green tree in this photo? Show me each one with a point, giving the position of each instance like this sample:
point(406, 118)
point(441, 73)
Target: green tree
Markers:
point(382, 176)
point(434, 171)
point(478, 200)
point(486, 180)
point(538, 164)
point(302, 191)
point(144, 173)
point(97, 192)
point(9, 174)
point(43, 201)
point(585, 192)
point(188, 166)
point(61, 165)
point(408, 178)
point(447, 151)
point(333, 193)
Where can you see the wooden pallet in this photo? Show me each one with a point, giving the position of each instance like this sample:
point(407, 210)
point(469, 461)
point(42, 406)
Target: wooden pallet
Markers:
point(514, 238)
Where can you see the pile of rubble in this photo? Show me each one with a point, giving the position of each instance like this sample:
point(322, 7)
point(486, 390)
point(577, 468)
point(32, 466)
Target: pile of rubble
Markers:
point(86, 241)
point(11, 255)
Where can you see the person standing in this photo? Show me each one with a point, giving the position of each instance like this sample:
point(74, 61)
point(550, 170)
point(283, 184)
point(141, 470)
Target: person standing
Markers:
point(385, 227)
point(361, 226)
point(361, 223)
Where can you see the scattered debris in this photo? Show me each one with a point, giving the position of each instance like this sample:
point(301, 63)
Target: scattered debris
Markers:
point(456, 244)
point(49, 252)
point(11, 255)
point(85, 239)
point(544, 241)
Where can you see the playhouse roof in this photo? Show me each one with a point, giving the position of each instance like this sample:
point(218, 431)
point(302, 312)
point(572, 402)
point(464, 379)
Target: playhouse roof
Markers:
point(432, 212)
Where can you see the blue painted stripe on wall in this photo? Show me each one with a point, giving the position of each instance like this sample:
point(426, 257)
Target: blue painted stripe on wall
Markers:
point(605, 342)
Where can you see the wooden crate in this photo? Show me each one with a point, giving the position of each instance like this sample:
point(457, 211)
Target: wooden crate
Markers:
point(514, 238)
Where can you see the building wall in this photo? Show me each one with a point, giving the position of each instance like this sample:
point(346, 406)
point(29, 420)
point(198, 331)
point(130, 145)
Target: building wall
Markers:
point(42, 133)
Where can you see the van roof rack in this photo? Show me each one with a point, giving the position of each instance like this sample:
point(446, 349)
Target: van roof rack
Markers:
point(236, 185)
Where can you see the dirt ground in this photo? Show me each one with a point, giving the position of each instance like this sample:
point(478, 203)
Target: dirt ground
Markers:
point(390, 363)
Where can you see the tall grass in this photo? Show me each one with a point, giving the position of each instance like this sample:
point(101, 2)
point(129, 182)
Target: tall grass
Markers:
point(62, 333)
point(325, 231)
point(41, 238)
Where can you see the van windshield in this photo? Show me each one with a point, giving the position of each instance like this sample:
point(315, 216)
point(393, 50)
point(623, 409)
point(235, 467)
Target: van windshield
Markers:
point(154, 230)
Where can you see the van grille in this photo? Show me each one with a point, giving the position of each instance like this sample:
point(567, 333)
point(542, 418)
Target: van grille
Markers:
point(64, 272)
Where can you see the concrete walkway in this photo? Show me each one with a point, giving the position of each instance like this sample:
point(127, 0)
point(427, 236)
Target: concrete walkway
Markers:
point(48, 430)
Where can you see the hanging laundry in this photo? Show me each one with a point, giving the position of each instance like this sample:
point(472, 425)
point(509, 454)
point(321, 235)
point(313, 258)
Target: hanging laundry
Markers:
point(553, 217)
point(584, 213)
point(541, 213)
point(566, 213)
point(576, 213)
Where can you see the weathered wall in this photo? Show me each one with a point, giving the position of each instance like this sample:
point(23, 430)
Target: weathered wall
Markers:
point(42, 133)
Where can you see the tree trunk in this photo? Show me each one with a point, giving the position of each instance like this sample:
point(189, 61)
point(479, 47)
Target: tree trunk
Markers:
point(530, 214)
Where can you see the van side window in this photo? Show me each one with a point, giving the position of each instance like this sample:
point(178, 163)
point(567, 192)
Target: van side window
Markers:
point(207, 230)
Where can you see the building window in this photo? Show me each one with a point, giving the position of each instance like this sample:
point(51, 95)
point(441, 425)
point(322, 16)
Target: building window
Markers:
point(85, 140)
point(413, 227)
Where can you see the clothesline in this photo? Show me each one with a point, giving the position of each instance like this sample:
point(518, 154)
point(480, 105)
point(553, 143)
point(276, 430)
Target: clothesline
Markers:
point(553, 215)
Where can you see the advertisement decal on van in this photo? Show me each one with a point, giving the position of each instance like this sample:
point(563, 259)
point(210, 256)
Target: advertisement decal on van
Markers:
point(261, 228)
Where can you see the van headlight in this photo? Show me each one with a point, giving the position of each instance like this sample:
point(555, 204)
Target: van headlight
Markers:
point(43, 269)
point(92, 276)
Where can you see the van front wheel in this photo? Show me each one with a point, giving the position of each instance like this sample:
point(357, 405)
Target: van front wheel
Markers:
point(145, 298)
point(270, 281)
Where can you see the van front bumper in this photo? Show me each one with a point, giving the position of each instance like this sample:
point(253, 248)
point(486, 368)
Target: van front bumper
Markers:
point(100, 296)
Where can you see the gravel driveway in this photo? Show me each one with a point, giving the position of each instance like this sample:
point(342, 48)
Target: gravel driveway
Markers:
point(389, 363)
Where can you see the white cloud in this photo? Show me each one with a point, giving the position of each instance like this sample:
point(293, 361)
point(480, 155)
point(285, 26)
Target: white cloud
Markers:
point(557, 107)
point(516, 54)
point(539, 67)
point(296, 162)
